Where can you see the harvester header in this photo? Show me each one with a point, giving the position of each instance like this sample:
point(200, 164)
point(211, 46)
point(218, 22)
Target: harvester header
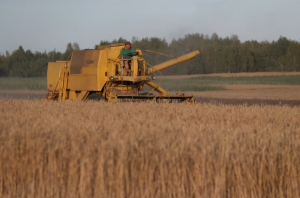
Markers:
point(101, 72)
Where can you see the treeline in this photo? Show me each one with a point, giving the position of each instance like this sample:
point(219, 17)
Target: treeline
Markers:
point(23, 63)
point(223, 55)
point(217, 55)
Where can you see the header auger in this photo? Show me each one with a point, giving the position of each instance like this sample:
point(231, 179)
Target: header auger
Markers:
point(100, 72)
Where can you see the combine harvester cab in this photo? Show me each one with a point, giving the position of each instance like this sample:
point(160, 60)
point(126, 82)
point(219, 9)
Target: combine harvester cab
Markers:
point(100, 72)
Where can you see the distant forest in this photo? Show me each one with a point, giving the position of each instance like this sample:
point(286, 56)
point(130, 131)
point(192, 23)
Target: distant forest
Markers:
point(217, 55)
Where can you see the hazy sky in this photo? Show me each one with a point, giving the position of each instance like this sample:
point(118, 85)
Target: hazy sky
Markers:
point(41, 25)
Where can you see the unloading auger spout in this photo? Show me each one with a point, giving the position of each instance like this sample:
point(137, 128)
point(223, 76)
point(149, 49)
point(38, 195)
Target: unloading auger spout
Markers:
point(172, 62)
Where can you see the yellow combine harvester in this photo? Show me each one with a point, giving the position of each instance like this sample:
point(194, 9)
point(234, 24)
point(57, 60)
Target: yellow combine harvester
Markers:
point(100, 72)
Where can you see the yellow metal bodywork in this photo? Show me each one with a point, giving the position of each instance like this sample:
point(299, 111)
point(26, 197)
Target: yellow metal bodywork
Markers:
point(100, 71)
point(53, 75)
point(84, 82)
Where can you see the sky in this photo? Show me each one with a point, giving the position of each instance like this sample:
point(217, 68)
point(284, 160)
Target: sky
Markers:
point(44, 25)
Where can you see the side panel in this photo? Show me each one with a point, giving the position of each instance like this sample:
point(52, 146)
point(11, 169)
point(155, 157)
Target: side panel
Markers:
point(89, 70)
point(84, 70)
point(102, 69)
point(112, 67)
point(83, 82)
point(53, 74)
point(84, 58)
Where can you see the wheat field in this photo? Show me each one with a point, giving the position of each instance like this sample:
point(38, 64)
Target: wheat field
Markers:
point(145, 150)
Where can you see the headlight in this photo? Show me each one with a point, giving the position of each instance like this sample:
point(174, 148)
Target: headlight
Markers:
point(111, 78)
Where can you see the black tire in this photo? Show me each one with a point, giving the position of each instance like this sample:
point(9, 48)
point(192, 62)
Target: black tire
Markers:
point(146, 93)
point(96, 97)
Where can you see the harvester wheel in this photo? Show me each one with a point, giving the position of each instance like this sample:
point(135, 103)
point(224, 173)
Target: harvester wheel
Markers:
point(95, 97)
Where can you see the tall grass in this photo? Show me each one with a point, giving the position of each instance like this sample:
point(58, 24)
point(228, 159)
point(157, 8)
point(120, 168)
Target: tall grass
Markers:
point(94, 149)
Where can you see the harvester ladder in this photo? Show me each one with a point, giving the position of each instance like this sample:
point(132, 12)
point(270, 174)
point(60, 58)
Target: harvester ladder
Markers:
point(63, 84)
